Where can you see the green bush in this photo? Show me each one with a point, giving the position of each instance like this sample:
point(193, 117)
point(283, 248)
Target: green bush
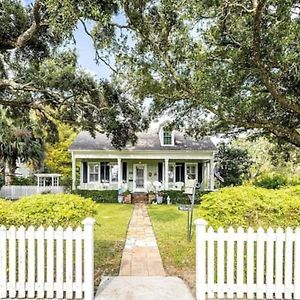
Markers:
point(271, 181)
point(105, 196)
point(252, 206)
point(24, 181)
point(55, 210)
point(179, 197)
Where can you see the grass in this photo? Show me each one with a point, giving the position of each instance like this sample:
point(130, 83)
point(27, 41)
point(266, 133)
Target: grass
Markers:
point(178, 255)
point(110, 233)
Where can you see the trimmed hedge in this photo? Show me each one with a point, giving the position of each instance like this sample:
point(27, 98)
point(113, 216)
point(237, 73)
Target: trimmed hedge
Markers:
point(179, 197)
point(104, 196)
point(55, 210)
point(252, 206)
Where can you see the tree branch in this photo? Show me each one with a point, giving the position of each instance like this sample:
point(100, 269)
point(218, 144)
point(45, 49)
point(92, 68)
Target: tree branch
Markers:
point(262, 70)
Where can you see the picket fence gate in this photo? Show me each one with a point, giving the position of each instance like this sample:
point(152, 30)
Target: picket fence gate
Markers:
point(47, 263)
point(261, 264)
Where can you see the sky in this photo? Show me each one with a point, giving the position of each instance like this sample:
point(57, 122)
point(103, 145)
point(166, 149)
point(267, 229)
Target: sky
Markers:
point(85, 51)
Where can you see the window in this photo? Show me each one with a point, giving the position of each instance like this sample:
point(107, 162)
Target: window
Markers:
point(167, 138)
point(114, 170)
point(104, 172)
point(55, 181)
point(93, 172)
point(191, 171)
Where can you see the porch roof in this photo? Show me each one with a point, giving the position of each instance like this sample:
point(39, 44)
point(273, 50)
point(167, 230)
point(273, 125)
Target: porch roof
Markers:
point(146, 141)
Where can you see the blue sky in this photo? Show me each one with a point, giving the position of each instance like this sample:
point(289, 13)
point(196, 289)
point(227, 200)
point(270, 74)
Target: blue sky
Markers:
point(86, 52)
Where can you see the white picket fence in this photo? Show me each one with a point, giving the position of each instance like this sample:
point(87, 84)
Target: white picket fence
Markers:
point(47, 263)
point(18, 191)
point(262, 265)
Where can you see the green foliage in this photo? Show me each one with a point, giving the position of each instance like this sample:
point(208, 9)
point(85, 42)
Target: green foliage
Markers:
point(270, 181)
point(55, 210)
point(275, 180)
point(233, 164)
point(252, 206)
point(105, 196)
point(177, 197)
point(58, 158)
point(24, 181)
point(40, 76)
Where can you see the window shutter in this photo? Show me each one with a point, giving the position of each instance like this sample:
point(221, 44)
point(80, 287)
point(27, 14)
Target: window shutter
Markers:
point(160, 172)
point(84, 172)
point(200, 166)
point(107, 171)
point(183, 172)
point(124, 170)
point(177, 170)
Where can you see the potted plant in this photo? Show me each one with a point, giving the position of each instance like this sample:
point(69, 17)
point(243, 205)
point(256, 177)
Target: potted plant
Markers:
point(127, 197)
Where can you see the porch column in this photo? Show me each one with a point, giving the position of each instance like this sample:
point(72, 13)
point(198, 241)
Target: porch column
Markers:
point(73, 172)
point(212, 173)
point(119, 173)
point(166, 173)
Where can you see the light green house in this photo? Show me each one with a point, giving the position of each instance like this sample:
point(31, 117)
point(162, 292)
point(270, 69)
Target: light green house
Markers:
point(160, 160)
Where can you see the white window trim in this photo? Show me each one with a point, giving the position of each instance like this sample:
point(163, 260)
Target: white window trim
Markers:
point(161, 135)
point(89, 173)
point(196, 170)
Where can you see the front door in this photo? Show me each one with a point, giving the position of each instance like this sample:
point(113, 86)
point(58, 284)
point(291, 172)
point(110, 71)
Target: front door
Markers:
point(139, 177)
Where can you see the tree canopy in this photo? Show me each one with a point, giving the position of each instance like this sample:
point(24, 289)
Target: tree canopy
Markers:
point(39, 73)
point(216, 66)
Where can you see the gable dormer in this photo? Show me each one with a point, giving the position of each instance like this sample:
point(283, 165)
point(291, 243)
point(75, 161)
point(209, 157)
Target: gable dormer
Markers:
point(166, 136)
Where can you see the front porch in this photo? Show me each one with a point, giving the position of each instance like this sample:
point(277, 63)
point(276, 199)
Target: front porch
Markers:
point(141, 175)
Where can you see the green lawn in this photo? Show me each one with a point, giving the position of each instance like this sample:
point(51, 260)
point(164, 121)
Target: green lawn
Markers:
point(110, 233)
point(177, 253)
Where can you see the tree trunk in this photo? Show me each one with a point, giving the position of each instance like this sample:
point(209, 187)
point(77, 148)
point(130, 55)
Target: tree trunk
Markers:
point(12, 166)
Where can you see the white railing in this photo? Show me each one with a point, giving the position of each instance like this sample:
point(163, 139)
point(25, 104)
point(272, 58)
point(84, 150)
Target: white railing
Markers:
point(18, 191)
point(47, 263)
point(259, 264)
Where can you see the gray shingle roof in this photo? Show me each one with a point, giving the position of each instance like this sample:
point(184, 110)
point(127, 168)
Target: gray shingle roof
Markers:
point(146, 141)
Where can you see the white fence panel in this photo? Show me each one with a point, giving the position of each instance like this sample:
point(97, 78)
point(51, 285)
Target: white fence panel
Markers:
point(237, 264)
point(18, 191)
point(47, 263)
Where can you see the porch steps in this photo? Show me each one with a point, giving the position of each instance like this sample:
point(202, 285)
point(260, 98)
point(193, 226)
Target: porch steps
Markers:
point(139, 198)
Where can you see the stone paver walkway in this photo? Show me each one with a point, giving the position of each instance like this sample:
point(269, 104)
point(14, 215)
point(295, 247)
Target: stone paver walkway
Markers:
point(142, 276)
point(141, 255)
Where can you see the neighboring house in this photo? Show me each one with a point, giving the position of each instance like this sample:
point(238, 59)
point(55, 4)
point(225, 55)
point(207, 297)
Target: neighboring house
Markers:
point(161, 159)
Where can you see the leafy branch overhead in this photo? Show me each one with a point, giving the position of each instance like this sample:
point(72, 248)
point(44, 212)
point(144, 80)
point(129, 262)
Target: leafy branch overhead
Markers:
point(217, 66)
point(40, 75)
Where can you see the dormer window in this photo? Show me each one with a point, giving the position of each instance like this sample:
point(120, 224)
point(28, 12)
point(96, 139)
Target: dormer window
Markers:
point(166, 137)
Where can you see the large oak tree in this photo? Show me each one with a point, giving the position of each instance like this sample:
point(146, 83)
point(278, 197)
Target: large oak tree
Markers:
point(39, 74)
point(217, 66)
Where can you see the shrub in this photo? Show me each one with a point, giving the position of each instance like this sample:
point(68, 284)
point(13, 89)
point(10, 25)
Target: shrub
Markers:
point(105, 196)
point(252, 206)
point(55, 210)
point(24, 181)
point(271, 181)
point(179, 197)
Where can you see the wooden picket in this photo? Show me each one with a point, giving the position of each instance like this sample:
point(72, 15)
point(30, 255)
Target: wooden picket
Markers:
point(257, 265)
point(47, 263)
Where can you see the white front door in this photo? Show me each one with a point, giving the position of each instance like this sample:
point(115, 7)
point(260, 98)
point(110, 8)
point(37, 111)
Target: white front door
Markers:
point(139, 177)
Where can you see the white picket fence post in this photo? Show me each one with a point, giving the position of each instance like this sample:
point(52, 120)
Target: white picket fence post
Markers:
point(89, 258)
point(262, 265)
point(200, 258)
point(47, 263)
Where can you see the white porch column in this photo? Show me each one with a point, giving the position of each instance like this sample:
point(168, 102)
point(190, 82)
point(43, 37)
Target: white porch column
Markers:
point(73, 172)
point(166, 173)
point(212, 174)
point(119, 173)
